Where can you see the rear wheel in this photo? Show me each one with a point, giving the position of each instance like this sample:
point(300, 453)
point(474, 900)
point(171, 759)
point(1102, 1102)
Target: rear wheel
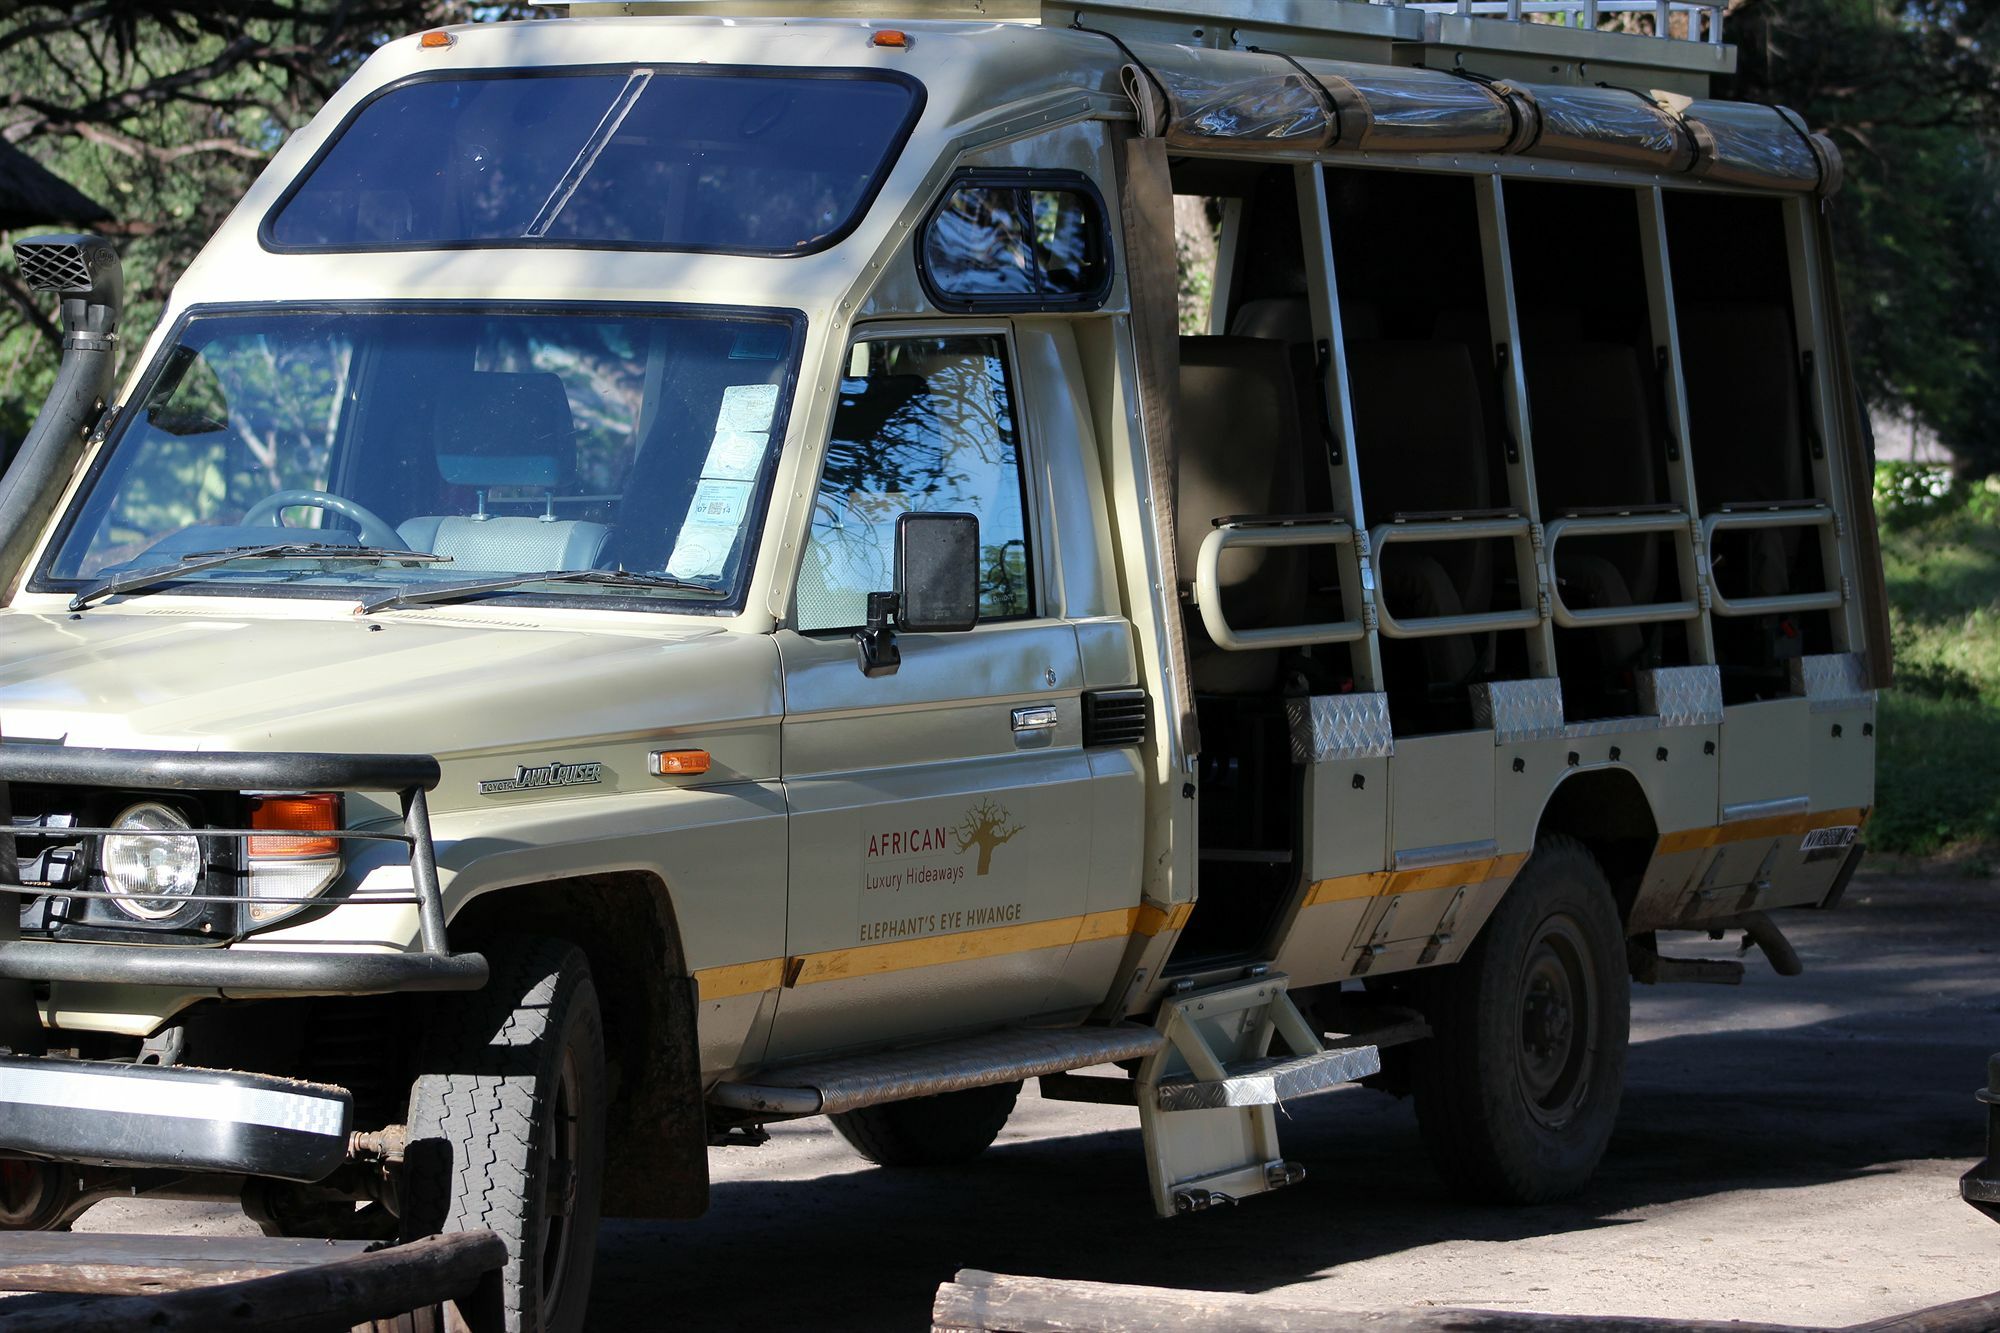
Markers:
point(929, 1131)
point(507, 1127)
point(34, 1196)
point(1518, 1090)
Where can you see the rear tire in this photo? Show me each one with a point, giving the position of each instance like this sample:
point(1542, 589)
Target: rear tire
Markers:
point(949, 1128)
point(1518, 1091)
point(507, 1127)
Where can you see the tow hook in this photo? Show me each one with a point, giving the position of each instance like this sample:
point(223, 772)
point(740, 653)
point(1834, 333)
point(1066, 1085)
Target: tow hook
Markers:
point(387, 1144)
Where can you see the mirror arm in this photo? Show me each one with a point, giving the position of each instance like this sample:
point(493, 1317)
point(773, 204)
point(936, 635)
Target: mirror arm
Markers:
point(879, 654)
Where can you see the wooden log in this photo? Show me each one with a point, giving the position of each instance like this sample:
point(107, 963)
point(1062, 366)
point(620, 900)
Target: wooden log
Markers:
point(979, 1302)
point(1980, 1314)
point(104, 1264)
point(320, 1298)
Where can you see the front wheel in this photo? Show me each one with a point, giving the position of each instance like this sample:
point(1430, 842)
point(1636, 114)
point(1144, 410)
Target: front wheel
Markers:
point(1518, 1090)
point(507, 1127)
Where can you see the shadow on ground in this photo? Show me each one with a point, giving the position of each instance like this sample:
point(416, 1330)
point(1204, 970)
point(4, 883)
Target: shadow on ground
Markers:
point(1866, 1062)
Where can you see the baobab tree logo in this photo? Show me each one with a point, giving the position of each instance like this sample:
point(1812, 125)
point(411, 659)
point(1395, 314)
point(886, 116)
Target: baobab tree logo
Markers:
point(986, 826)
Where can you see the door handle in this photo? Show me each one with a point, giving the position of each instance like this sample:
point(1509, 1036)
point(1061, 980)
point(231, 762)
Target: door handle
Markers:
point(1039, 717)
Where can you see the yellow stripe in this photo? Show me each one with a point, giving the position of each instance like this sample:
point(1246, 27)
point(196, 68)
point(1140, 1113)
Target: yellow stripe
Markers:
point(963, 947)
point(1687, 840)
point(720, 983)
point(1388, 883)
point(1150, 920)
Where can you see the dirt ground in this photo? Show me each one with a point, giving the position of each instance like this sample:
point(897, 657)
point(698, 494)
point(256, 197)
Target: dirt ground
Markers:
point(1788, 1151)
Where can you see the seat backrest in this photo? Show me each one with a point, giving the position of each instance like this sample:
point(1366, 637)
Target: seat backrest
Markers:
point(501, 429)
point(1237, 452)
point(1594, 441)
point(1741, 366)
point(1421, 446)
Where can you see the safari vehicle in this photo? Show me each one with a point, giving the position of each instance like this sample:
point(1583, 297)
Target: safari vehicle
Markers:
point(670, 570)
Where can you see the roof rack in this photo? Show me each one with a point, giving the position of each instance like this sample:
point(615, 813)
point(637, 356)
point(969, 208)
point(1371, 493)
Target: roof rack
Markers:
point(1699, 20)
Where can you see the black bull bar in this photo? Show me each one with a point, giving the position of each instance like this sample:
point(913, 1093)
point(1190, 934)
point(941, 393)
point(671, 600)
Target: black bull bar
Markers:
point(238, 972)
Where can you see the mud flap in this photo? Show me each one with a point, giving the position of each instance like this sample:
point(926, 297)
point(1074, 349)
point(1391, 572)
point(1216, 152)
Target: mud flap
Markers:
point(1208, 1097)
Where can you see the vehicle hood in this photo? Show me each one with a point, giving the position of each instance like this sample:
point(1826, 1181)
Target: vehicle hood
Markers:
point(173, 679)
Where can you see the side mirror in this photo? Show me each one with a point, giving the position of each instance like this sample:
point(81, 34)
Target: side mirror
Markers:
point(937, 587)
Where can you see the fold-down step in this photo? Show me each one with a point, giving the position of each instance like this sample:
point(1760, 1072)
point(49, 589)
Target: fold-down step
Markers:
point(1269, 1082)
point(827, 1087)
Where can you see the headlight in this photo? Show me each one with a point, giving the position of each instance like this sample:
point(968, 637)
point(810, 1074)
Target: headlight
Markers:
point(152, 874)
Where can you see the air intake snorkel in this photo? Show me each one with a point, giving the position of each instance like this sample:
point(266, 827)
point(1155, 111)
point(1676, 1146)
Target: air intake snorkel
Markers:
point(85, 272)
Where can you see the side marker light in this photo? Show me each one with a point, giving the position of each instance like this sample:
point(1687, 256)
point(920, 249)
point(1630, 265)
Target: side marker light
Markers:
point(679, 763)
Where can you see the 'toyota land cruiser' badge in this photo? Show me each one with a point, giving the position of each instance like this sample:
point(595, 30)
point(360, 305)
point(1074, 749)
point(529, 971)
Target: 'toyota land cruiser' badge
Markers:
point(558, 774)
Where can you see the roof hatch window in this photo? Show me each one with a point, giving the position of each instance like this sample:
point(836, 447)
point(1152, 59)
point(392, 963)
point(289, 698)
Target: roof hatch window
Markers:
point(712, 159)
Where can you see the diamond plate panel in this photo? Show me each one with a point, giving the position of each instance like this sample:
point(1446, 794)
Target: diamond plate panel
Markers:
point(1340, 726)
point(1832, 681)
point(1519, 710)
point(1271, 1082)
point(1684, 696)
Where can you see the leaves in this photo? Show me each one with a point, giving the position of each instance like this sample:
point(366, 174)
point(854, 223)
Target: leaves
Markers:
point(164, 111)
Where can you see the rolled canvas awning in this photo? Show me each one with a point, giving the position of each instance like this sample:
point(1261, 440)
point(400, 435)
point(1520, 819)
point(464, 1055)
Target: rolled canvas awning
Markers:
point(1251, 100)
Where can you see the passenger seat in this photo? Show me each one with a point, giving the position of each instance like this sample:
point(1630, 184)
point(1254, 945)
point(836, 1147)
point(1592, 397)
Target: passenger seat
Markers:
point(502, 430)
point(1420, 435)
point(1595, 448)
point(1237, 454)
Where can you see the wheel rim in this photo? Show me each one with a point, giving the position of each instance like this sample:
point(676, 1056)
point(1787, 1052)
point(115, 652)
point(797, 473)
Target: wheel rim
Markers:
point(561, 1142)
point(1559, 1018)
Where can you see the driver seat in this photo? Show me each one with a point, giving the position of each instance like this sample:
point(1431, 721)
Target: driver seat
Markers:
point(498, 429)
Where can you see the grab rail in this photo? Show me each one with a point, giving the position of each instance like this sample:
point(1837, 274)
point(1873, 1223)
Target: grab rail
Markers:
point(1517, 528)
point(1615, 525)
point(1817, 516)
point(1265, 532)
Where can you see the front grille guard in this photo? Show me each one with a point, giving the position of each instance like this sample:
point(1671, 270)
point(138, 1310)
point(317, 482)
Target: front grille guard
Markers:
point(411, 777)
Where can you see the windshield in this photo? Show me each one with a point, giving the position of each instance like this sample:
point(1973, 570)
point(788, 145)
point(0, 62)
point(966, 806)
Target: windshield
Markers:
point(677, 157)
point(504, 442)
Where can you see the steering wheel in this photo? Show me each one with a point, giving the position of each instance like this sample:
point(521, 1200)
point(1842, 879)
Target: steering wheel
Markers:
point(375, 530)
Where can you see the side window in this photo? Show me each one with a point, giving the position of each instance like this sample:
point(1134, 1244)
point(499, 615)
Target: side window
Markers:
point(1016, 240)
point(923, 423)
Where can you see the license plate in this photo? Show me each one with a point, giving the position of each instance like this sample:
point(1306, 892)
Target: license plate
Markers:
point(1834, 839)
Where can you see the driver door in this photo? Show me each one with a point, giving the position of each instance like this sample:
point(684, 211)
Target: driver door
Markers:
point(940, 816)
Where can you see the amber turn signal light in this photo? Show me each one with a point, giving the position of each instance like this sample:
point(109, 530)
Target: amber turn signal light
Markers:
point(893, 37)
point(679, 763)
point(316, 813)
point(434, 39)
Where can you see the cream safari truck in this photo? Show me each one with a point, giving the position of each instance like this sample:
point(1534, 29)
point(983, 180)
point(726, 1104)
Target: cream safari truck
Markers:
point(670, 570)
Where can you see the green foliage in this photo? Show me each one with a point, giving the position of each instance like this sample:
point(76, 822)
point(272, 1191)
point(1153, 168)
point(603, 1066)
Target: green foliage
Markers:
point(1938, 784)
point(1911, 93)
point(164, 111)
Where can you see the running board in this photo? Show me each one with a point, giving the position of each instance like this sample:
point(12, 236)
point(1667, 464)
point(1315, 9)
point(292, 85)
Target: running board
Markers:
point(1207, 1096)
point(847, 1083)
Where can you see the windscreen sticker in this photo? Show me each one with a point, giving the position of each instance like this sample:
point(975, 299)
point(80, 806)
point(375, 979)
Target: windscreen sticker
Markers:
point(707, 535)
point(735, 455)
point(747, 407)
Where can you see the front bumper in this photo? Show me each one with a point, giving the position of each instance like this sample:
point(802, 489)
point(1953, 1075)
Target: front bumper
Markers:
point(173, 1117)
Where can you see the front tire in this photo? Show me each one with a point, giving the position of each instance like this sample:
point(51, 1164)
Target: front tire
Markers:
point(1518, 1090)
point(507, 1127)
point(949, 1128)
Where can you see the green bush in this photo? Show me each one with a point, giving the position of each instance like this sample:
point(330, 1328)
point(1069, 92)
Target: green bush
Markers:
point(1937, 776)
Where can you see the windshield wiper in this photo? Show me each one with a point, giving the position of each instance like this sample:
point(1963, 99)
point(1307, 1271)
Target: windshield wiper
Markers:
point(615, 578)
point(195, 561)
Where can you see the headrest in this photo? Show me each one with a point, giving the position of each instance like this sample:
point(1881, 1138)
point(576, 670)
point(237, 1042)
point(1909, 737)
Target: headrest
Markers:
point(500, 429)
